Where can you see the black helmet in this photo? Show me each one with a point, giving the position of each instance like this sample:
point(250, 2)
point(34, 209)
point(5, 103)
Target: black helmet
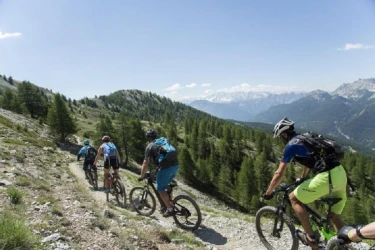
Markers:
point(152, 133)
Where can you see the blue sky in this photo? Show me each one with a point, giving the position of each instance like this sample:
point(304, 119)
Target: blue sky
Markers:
point(186, 49)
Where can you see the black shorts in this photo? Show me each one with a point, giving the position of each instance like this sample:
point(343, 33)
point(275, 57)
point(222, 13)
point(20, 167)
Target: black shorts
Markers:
point(86, 164)
point(111, 163)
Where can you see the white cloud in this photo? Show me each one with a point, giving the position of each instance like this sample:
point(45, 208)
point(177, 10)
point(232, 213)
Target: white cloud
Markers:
point(174, 87)
point(192, 85)
point(9, 35)
point(208, 91)
point(351, 46)
point(206, 85)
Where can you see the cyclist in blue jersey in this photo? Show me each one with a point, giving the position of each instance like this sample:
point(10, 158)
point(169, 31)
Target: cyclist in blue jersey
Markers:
point(111, 159)
point(89, 153)
point(311, 189)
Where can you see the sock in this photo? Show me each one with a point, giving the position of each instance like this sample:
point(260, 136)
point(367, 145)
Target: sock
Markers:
point(170, 209)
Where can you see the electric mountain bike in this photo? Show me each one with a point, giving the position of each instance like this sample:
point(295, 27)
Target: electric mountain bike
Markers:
point(274, 226)
point(116, 188)
point(186, 212)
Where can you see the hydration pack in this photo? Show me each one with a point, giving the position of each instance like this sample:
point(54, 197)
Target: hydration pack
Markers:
point(324, 150)
point(166, 150)
point(112, 150)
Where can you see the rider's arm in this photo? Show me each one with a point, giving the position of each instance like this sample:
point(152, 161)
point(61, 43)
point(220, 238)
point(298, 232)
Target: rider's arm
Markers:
point(278, 175)
point(367, 231)
point(144, 167)
point(98, 155)
point(305, 171)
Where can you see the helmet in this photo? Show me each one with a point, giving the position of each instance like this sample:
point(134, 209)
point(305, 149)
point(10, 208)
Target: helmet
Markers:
point(284, 125)
point(106, 138)
point(86, 142)
point(152, 133)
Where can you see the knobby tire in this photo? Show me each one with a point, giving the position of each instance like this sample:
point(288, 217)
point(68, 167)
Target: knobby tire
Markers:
point(266, 239)
point(183, 214)
point(139, 199)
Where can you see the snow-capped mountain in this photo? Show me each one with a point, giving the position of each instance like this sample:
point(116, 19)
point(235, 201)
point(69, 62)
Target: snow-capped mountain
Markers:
point(357, 89)
point(242, 106)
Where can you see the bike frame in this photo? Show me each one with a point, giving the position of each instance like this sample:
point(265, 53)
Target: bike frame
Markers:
point(323, 223)
point(151, 183)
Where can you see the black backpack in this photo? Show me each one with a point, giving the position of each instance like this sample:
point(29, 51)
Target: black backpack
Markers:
point(90, 153)
point(327, 152)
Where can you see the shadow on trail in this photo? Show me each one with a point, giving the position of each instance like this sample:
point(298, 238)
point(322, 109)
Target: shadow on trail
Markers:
point(209, 235)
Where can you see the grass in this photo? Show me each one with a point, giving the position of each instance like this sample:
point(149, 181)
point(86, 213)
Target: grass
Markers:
point(188, 238)
point(23, 181)
point(15, 195)
point(39, 142)
point(13, 141)
point(14, 234)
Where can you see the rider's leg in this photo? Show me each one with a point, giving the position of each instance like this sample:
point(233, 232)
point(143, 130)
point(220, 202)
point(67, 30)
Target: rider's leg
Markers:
point(163, 178)
point(116, 168)
point(106, 172)
point(339, 181)
point(85, 167)
point(301, 213)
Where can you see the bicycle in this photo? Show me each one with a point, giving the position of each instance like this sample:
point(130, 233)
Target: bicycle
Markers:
point(116, 188)
point(186, 212)
point(92, 177)
point(277, 216)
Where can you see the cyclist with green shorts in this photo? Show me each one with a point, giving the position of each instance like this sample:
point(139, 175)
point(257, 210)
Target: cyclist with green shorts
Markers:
point(311, 189)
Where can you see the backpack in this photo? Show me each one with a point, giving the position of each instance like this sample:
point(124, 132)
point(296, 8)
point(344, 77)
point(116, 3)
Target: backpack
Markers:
point(90, 153)
point(112, 149)
point(324, 150)
point(166, 150)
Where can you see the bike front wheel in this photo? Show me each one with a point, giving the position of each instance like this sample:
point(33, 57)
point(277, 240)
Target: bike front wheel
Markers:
point(275, 230)
point(336, 244)
point(142, 200)
point(187, 213)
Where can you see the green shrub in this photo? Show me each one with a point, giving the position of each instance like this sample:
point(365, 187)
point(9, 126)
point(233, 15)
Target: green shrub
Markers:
point(13, 141)
point(23, 181)
point(15, 195)
point(14, 234)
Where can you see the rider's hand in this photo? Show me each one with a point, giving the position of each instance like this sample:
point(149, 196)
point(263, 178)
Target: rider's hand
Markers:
point(140, 179)
point(268, 196)
point(299, 180)
point(344, 234)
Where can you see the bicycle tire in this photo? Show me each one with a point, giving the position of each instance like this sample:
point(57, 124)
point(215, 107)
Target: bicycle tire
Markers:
point(95, 180)
point(276, 243)
point(182, 211)
point(139, 200)
point(120, 193)
point(336, 244)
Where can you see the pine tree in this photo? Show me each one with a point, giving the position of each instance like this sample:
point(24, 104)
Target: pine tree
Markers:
point(32, 99)
point(187, 165)
point(59, 119)
point(246, 183)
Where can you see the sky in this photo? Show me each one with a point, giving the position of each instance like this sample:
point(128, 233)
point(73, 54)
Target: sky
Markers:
point(187, 49)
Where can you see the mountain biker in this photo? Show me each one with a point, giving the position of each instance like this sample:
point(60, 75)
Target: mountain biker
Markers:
point(311, 189)
point(111, 159)
point(167, 172)
point(351, 234)
point(89, 158)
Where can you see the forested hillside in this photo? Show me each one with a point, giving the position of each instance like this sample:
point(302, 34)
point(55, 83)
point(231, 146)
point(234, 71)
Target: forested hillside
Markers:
point(230, 161)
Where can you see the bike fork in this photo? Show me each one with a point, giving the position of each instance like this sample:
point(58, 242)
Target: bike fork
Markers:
point(276, 230)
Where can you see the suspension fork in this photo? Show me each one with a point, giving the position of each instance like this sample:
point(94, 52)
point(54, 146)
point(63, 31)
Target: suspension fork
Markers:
point(279, 217)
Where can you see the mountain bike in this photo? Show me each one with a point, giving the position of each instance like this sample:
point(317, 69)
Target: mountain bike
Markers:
point(270, 222)
point(116, 188)
point(92, 176)
point(186, 212)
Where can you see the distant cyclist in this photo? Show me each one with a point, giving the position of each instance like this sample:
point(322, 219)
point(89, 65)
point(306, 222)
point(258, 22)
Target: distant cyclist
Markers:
point(311, 189)
point(111, 159)
point(89, 153)
point(351, 234)
point(168, 169)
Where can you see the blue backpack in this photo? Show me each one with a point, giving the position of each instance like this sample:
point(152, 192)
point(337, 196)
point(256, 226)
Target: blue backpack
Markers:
point(112, 150)
point(165, 149)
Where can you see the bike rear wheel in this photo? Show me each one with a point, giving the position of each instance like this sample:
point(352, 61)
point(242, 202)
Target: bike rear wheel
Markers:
point(187, 213)
point(265, 222)
point(142, 200)
point(337, 244)
point(95, 180)
point(120, 192)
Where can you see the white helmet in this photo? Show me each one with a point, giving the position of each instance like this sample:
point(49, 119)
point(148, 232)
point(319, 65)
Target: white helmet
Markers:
point(283, 125)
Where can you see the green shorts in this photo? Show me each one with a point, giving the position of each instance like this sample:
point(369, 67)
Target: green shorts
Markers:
point(317, 187)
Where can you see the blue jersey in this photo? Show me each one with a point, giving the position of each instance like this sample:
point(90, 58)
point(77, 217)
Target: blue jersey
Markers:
point(296, 150)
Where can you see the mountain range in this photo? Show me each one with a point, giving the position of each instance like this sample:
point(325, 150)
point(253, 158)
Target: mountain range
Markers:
point(348, 112)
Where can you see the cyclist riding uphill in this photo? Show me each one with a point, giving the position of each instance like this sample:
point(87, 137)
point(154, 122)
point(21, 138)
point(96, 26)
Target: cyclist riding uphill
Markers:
point(111, 159)
point(168, 166)
point(89, 153)
point(311, 189)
